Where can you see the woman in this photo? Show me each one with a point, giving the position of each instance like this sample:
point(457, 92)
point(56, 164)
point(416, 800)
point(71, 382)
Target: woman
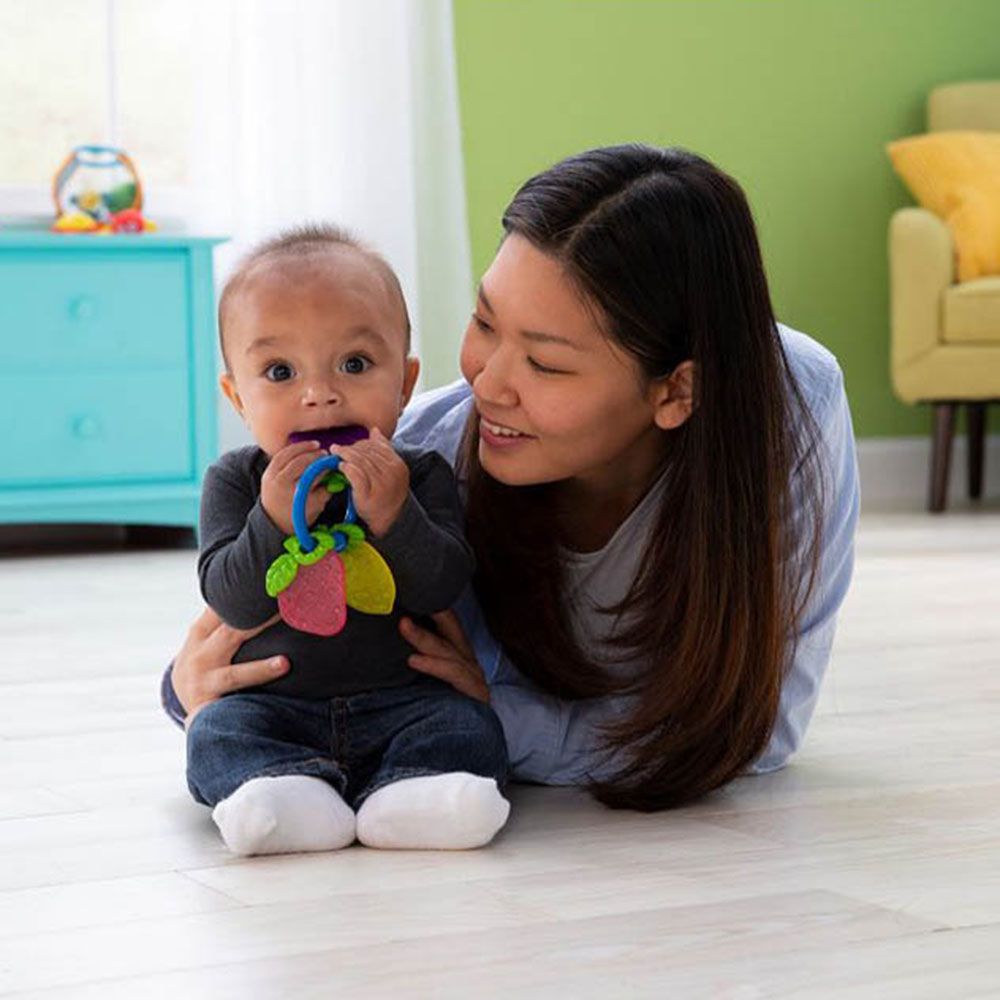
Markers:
point(661, 492)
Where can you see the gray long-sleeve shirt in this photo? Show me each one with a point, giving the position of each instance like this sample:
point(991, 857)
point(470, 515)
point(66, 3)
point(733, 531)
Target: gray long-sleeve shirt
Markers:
point(425, 549)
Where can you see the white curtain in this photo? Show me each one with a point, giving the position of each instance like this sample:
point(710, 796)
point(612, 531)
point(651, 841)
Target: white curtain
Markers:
point(343, 111)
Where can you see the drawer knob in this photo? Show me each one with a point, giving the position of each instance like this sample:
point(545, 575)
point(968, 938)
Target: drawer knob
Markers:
point(86, 427)
point(83, 307)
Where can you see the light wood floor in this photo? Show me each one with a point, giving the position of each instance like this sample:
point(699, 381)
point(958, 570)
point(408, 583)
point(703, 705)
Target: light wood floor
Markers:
point(869, 868)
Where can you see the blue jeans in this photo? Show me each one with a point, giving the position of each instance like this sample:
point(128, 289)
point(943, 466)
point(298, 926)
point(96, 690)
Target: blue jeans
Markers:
point(357, 744)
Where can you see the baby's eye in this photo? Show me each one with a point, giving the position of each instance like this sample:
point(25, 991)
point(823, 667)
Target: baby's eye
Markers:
point(356, 364)
point(279, 372)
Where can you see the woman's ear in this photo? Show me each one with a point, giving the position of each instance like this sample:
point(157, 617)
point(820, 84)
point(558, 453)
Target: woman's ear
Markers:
point(674, 397)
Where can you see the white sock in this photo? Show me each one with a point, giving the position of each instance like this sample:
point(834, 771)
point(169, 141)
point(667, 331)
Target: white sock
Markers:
point(451, 811)
point(284, 815)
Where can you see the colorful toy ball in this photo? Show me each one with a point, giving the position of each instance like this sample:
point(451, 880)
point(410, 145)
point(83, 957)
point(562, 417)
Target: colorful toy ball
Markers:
point(99, 181)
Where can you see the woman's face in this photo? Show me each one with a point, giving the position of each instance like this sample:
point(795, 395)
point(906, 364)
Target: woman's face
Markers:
point(557, 399)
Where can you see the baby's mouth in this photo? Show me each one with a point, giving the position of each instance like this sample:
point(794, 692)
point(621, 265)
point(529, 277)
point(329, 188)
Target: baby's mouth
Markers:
point(345, 434)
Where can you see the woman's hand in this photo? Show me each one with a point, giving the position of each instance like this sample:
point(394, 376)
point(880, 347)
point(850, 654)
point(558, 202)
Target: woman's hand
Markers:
point(447, 656)
point(204, 670)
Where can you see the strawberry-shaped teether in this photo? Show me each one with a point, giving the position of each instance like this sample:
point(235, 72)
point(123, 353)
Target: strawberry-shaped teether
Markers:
point(314, 601)
point(310, 579)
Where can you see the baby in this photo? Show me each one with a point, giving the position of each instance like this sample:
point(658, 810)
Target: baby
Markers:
point(351, 742)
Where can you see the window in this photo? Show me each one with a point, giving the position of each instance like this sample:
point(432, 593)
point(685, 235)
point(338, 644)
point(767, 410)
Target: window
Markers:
point(73, 72)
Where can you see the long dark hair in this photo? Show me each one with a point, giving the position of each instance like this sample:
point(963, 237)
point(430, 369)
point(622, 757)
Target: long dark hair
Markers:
point(663, 244)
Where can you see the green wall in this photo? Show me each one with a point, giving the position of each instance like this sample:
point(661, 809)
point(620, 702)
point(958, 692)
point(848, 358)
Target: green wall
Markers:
point(795, 98)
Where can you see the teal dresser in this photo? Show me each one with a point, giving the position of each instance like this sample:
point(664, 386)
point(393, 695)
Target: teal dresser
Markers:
point(107, 377)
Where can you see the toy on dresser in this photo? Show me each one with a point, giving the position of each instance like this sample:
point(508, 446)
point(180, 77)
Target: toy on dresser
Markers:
point(97, 190)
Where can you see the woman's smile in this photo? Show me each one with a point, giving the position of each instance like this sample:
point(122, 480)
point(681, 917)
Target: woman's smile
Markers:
point(500, 435)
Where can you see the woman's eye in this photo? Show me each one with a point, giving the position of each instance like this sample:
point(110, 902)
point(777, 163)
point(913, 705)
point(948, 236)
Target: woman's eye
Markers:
point(356, 364)
point(279, 372)
point(481, 324)
point(544, 369)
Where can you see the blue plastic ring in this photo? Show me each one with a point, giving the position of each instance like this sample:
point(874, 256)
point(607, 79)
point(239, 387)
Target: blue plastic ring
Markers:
point(327, 463)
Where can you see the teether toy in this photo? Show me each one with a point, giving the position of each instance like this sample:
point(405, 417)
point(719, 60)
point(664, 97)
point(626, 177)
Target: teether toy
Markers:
point(349, 434)
point(324, 572)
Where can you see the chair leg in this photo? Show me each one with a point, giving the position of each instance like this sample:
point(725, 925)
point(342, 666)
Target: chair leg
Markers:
point(944, 432)
point(976, 435)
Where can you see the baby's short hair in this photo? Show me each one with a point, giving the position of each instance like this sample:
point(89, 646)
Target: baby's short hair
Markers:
point(298, 243)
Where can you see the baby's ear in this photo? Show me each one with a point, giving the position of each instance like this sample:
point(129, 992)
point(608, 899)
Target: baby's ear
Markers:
point(411, 369)
point(228, 387)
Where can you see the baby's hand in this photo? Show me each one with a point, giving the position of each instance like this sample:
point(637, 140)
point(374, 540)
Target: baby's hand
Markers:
point(277, 485)
point(379, 478)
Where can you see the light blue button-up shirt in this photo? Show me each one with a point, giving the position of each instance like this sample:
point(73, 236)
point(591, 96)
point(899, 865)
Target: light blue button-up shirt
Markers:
point(556, 742)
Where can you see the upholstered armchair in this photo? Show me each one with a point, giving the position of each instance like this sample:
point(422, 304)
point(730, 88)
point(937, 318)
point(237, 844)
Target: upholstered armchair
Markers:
point(945, 346)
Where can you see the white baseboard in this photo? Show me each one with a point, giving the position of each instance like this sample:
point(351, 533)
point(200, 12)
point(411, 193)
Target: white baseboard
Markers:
point(895, 472)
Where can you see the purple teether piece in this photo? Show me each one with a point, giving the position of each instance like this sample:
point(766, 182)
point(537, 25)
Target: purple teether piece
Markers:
point(349, 434)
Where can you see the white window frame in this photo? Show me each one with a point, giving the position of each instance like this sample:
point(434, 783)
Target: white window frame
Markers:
point(33, 204)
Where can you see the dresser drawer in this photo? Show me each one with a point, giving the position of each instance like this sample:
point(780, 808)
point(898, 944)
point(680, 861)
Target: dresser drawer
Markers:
point(72, 309)
point(112, 427)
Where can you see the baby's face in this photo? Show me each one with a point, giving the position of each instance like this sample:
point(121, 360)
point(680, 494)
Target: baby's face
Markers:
point(316, 343)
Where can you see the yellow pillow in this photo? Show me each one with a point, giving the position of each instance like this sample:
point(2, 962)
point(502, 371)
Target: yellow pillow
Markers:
point(956, 175)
